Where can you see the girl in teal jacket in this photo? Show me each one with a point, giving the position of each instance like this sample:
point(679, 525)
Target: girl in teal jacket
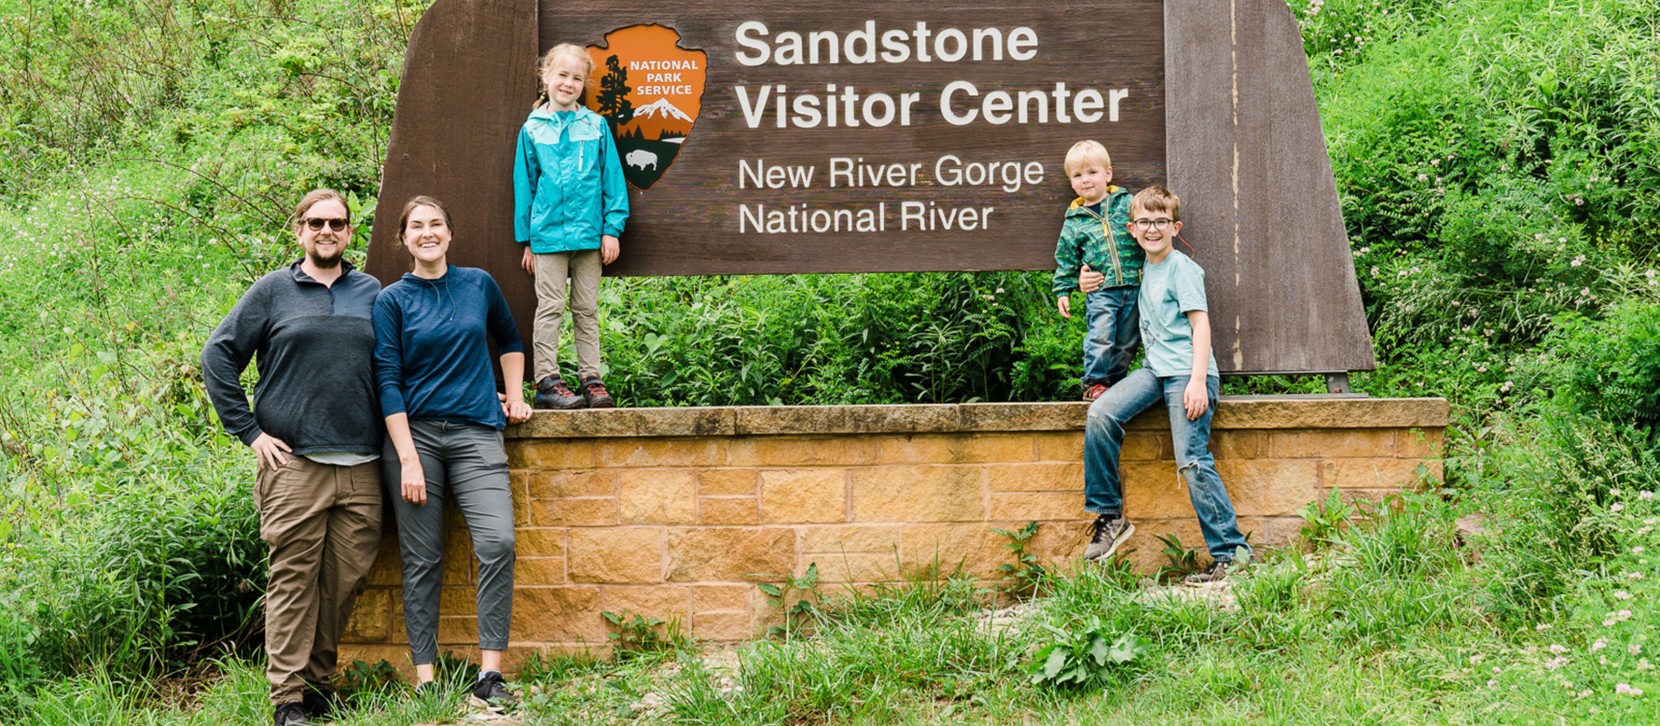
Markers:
point(570, 203)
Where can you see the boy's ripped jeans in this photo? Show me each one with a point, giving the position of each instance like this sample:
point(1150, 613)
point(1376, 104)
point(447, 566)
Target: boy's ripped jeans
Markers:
point(1104, 439)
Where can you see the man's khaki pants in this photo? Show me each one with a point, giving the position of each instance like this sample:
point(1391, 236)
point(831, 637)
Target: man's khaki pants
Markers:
point(323, 525)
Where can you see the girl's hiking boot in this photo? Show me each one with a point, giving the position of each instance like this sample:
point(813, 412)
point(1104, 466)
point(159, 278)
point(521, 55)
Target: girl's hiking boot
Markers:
point(551, 392)
point(594, 394)
point(1106, 534)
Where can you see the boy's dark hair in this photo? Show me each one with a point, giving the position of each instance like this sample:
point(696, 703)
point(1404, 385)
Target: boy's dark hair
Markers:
point(1158, 199)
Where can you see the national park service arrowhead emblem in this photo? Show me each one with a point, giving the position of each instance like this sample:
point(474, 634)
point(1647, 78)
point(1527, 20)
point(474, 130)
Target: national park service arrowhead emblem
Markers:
point(650, 91)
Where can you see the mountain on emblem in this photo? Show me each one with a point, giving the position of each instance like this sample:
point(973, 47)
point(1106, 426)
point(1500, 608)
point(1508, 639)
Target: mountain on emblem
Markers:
point(650, 91)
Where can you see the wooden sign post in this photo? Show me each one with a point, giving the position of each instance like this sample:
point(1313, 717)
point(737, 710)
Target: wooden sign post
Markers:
point(783, 137)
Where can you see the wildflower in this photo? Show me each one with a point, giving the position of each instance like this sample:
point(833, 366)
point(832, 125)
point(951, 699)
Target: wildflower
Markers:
point(1423, 177)
point(1623, 615)
point(1583, 694)
point(1542, 627)
point(1492, 683)
point(1556, 663)
point(1618, 507)
point(1638, 550)
point(1635, 649)
point(1645, 496)
point(1634, 576)
point(1622, 595)
point(1506, 387)
point(1626, 689)
point(1557, 649)
point(1599, 645)
point(1644, 665)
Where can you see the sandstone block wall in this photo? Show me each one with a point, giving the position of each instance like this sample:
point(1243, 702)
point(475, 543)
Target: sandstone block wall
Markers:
point(679, 513)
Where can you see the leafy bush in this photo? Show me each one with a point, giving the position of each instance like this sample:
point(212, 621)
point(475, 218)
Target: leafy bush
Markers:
point(1608, 368)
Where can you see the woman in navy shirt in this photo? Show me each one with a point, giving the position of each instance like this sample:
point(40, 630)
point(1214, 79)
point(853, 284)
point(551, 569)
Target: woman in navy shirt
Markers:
point(444, 419)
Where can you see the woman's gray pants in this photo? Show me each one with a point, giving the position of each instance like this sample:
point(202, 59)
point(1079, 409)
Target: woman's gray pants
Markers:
point(465, 464)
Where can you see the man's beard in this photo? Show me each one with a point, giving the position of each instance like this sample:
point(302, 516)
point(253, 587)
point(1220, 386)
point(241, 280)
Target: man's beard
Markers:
point(325, 263)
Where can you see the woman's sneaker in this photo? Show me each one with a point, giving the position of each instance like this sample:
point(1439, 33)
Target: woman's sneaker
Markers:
point(595, 395)
point(1105, 535)
point(492, 690)
point(551, 392)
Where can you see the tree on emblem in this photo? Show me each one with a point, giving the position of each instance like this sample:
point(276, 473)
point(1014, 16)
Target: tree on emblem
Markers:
point(613, 94)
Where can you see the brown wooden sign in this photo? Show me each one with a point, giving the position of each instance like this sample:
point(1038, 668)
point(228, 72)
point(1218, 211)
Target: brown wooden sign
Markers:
point(787, 137)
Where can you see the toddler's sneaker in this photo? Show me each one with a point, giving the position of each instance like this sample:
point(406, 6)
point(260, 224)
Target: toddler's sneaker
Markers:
point(1094, 391)
point(594, 394)
point(551, 392)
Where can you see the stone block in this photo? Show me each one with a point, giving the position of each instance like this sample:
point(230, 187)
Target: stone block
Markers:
point(919, 494)
point(1059, 446)
point(1323, 412)
point(557, 615)
point(616, 555)
point(724, 482)
point(548, 455)
point(1027, 506)
point(371, 620)
point(544, 484)
point(1394, 474)
point(752, 420)
point(388, 567)
point(1340, 443)
point(395, 655)
point(972, 547)
point(1142, 445)
point(1045, 476)
point(728, 511)
point(657, 496)
point(460, 567)
point(575, 512)
point(795, 451)
point(956, 448)
point(539, 542)
point(1021, 416)
point(1151, 490)
point(521, 506)
point(804, 496)
point(1263, 532)
point(1418, 443)
point(724, 627)
point(1056, 543)
point(730, 598)
point(457, 630)
point(535, 571)
point(461, 600)
point(666, 602)
point(400, 634)
point(1269, 487)
point(1236, 444)
point(661, 452)
point(625, 422)
point(857, 567)
point(866, 538)
point(730, 554)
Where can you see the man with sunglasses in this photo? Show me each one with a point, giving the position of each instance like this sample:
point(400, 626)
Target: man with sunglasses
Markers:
point(316, 432)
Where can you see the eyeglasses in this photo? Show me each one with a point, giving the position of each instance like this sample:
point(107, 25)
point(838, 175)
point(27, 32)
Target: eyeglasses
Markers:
point(1159, 224)
point(316, 223)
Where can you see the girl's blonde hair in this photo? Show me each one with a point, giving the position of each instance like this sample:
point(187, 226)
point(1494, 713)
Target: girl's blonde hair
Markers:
point(556, 54)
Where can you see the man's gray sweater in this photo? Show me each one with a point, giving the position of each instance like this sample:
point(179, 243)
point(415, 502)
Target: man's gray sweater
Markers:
point(315, 346)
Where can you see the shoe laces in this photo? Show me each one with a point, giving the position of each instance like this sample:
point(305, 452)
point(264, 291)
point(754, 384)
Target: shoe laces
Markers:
point(596, 387)
point(1098, 529)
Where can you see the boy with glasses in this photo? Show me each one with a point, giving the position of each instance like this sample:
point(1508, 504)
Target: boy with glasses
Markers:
point(1092, 247)
point(1180, 372)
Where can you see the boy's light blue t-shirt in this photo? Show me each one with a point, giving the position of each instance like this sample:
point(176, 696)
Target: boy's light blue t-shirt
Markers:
point(1169, 290)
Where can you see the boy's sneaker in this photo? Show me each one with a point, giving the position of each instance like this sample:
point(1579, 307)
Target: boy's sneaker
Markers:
point(1105, 535)
point(290, 714)
point(1216, 572)
point(551, 392)
point(491, 689)
point(1094, 391)
point(594, 394)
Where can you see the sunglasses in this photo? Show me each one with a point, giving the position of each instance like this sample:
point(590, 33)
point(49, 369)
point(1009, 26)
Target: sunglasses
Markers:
point(316, 223)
